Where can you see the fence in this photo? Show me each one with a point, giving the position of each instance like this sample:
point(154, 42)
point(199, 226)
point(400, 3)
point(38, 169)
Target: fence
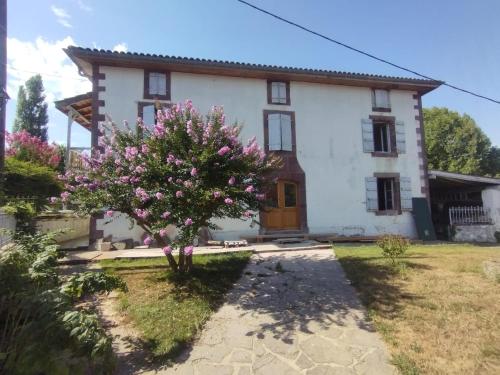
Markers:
point(469, 215)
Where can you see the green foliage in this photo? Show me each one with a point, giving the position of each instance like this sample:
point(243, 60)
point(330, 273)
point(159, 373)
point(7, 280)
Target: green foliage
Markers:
point(186, 171)
point(91, 282)
point(30, 180)
point(31, 111)
point(41, 329)
point(24, 211)
point(455, 143)
point(393, 247)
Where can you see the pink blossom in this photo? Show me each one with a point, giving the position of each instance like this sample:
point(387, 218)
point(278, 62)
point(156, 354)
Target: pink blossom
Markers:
point(148, 240)
point(260, 197)
point(217, 194)
point(165, 215)
point(247, 213)
point(131, 153)
point(250, 189)
point(142, 214)
point(188, 222)
point(178, 162)
point(159, 195)
point(170, 179)
point(170, 159)
point(109, 213)
point(163, 232)
point(188, 250)
point(124, 179)
point(223, 151)
point(141, 194)
point(167, 250)
point(139, 169)
point(228, 201)
point(179, 194)
point(231, 181)
point(53, 200)
point(64, 196)
point(188, 184)
point(144, 148)
point(194, 172)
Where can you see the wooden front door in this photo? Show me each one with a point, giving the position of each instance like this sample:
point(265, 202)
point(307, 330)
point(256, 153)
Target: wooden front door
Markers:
point(283, 212)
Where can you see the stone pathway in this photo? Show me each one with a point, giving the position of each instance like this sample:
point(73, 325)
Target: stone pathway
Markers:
point(291, 313)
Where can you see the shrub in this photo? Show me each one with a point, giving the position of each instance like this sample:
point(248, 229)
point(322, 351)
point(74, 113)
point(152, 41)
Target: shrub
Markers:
point(42, 330)
point(26, 147)
point(26, 179)
point(393, 247)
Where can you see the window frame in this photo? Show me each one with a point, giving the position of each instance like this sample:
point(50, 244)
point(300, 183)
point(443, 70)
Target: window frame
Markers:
point(147, 95)
point(390, 122)
point(140, 110)
point(396, 194)
point(375, 107)
point(270, 92)
point(266, 131)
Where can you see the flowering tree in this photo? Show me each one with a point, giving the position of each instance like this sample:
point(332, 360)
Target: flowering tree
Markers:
point(26, 147)
point(183, 171)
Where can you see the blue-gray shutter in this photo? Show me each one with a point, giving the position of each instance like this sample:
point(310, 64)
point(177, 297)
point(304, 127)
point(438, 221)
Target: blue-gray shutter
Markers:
point(405, 193)
point(371, 194)
point(286, 132)
point(400, 137)
point(148, 115)
point(367, 134)
point(274, 131)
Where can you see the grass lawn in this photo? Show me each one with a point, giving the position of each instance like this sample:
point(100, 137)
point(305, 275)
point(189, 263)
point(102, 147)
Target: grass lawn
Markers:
point(168, 309)
point(439, 314)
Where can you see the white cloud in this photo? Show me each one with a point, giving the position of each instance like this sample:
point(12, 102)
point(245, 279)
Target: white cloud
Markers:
point(60, 77)
point(84, 6)
point(120, 47)
point(62, 16)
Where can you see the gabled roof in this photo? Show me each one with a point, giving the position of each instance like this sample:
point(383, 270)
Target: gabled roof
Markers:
point(85, 57)
point(80, 105)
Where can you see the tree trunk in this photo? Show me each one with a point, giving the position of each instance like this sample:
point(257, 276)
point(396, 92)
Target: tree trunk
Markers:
point(182, 260)
point(170, 258)
point(189, 263)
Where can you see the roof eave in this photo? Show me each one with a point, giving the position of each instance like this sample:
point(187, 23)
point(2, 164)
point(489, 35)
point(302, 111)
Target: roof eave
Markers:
point(198, 66)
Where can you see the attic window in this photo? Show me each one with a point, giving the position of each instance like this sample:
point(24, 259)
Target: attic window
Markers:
point(278, 92)
point(156, 85)
point(380, 100)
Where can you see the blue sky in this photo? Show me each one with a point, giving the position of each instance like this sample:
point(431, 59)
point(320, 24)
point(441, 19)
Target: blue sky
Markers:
point(453, 40)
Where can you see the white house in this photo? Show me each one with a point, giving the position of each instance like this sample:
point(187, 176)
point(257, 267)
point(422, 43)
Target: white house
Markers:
point(351, 143)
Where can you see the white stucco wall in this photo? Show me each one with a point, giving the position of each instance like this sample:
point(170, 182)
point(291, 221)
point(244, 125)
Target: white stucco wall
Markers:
point(491, 201)
point(328, 134)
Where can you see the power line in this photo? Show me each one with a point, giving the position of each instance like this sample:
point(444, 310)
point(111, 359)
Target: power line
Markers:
point(365, 53)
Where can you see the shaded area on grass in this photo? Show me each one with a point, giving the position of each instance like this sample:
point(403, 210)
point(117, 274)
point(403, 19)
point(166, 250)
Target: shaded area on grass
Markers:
point(440, 314)
point(169, 308)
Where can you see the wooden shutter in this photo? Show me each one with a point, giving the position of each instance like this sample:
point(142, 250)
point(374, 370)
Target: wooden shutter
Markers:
point(286, 132)
point(367, 134)
point(400, 137)
point(371, 194)
point(274, 131)
point(405, 193)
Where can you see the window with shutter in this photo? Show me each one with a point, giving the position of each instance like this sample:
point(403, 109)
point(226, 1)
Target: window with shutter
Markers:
point(405, 193)
point(280, 132)
point(380, 100)
point(156, 85)
point(400, 137)
point(367, 134)
point(278, 92)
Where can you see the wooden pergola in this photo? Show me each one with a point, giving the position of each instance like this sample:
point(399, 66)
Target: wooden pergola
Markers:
point(77, 108)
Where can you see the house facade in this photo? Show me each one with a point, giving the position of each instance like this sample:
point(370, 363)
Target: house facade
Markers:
point(351, 144)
